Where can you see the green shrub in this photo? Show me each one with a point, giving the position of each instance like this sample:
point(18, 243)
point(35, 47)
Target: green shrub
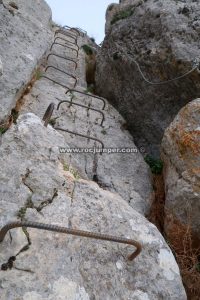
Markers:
point(87, 49)
point(122, 15)
point(116, 56)
point(156, 165)
point(2, 130)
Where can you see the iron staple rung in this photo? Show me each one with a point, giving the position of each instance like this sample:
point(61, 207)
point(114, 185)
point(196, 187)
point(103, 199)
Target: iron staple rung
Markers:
point(82, 135)
point(60, 31)
point(69, 90)
point(89, 95)
point(65, 46)
point(81, 105)
point(72, 29)
point(58, 37)
point(75, 232)
point(70, 75)
point(54, 81)
point(66, 58)
point(47, 116)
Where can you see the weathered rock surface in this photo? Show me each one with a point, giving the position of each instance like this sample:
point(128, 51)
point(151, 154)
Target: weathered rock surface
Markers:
point(67, 267)
point(181, 156)
point(25, 36)
point(163, 38)
point(124, 173)
point(1, 67)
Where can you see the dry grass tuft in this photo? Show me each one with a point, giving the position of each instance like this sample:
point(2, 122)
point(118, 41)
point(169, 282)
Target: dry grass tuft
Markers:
point(182, 241)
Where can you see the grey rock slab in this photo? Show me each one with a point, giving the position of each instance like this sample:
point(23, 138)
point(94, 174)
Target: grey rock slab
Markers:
point(56, 266)
point(25, 36)
point(161, 36)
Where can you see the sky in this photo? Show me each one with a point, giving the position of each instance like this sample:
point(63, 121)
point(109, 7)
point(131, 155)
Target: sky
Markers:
point(86, 14)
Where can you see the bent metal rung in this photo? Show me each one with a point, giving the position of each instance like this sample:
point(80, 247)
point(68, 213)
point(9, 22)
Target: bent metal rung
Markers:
point(76, 232)
point(82, 135)
point(89, 95)
point(70, 75)
point(72, 29)
point(65, 46)
point(54, 81)
point(68, 42)
point(66, 58)
point(81, 105)
point(61, 31)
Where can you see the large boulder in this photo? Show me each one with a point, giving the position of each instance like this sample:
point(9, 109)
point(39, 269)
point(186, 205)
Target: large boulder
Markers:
point(25, 36)
point(181, 156)
point(55, 266)
point(149, 42)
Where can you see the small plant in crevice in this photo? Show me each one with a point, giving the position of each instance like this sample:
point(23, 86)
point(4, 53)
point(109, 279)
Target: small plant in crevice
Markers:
point(103, 131)
point(124, 14)
point(22, 211)
point(38, 74)
point(74, 172)
point(52, 121)
point(156, 165)
point(3, 130)
point(14, 114)
point(90, 89)
point(87, 49)
point(116, 55)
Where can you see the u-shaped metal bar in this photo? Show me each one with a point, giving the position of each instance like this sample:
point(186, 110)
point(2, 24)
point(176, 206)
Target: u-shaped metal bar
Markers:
point(54, 81)
point(72, 29)
point(81, 105)
point(89, 95)
point(47, 116)
point(66, 58)
point(81, 30)
point(82, 135)
point(65, 46)
point(68, 42)
point(70, 75)
point(76, 232)
point(61, 31)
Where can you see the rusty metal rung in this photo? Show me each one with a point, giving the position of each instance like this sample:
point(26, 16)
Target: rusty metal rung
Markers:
point(70, 75)
point(60, 31)
point(72, 29)
point(66, 58)
point(89, 95)
point(81, 105)
point(65, 46)
point(54, 81)
point(82, 135)
point(68, 42)
point(47, 116)
point(76, 232)
point(81, 30)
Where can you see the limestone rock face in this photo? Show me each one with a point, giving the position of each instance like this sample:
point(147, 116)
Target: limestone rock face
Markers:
point(124, 173)
point(56, 266)
point(181, 156)
point(25, 37)
point(149, 42)
point(1, 67)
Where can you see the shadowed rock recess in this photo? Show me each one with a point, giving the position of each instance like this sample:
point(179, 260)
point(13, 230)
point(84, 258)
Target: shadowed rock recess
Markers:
point(109, 194)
